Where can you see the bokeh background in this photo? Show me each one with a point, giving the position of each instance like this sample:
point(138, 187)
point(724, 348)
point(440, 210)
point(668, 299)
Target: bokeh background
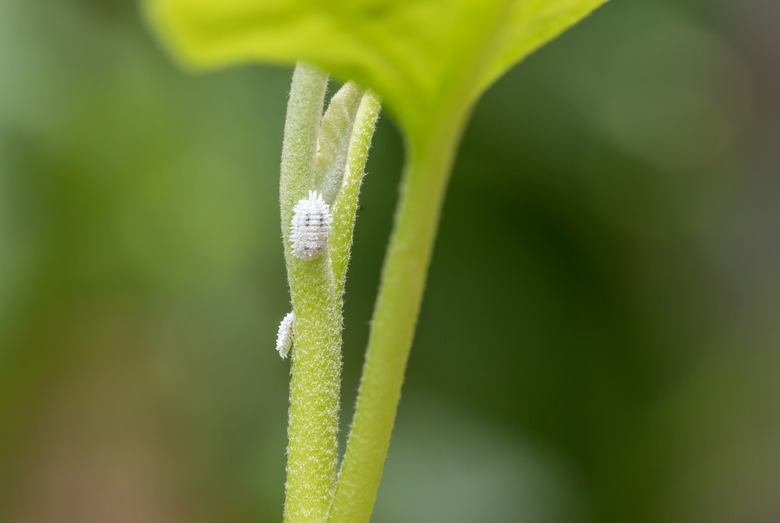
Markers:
point(600, 337)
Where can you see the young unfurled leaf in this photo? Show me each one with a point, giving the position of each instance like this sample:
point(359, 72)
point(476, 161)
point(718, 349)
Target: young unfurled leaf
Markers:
point(333, 141)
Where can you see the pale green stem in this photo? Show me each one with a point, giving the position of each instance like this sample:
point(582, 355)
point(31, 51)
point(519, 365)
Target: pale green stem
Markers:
point(316, 356)
point(395, 317)
point(345, 206)
point(301, 128)
point(344, 137)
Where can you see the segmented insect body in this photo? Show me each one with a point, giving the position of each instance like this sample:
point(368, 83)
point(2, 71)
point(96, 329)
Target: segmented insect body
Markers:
point(310, 227)
point(284, 338)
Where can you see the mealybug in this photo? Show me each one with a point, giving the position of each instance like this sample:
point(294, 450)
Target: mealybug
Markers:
point(310, 227)
point(284, 338)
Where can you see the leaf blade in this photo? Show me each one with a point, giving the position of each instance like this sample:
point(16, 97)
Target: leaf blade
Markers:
point(421, 56)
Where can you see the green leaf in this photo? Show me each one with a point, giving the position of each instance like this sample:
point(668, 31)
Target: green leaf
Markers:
point(425, 58)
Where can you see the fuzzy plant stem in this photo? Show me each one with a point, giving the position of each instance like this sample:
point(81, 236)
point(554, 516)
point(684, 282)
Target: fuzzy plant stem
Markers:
point(316, 358)
point(326, 153)
point(345, 207)
point(395, 317)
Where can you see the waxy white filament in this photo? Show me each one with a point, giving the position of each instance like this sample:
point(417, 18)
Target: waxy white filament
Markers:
point(284, 338)
point(310, 227)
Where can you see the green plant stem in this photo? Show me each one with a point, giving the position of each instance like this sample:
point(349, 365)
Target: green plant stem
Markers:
point(316, 355)
point(345, 207)
point(395, 317)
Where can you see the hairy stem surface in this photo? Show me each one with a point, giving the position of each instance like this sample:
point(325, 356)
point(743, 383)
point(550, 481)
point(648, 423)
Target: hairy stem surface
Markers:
point(316, 357)
point(319, 151)
point(395, 317)
point(345, 206)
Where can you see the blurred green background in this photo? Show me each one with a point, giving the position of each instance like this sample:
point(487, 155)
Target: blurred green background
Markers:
point(600, 337)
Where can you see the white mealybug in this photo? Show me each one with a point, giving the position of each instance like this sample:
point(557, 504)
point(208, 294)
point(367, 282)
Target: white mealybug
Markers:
point(284, 338)
point(310, 227)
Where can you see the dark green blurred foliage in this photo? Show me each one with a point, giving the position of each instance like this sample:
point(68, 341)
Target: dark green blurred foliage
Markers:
point(599, 339)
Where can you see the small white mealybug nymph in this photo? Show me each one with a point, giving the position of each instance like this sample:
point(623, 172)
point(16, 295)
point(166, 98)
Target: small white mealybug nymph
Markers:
point(284, 338)
point(310, 227)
